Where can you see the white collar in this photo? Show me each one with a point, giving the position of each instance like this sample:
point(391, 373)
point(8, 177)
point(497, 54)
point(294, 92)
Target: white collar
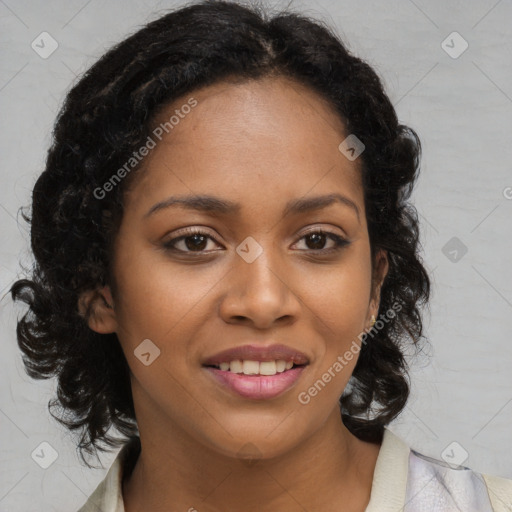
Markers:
point(396, 467)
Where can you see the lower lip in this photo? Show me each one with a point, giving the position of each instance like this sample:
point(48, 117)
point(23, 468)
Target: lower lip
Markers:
point(257, 387)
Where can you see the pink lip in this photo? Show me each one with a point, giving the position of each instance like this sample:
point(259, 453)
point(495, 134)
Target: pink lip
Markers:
point(258, 353)
point(257, 387)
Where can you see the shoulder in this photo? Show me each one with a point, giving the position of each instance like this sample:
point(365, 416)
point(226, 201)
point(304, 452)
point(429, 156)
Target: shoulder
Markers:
point(419, 482)
point(448, 486)
point(108, 495)
point(500, 492)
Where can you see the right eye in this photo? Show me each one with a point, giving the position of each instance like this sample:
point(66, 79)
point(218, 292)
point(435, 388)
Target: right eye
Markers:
point(193, 241)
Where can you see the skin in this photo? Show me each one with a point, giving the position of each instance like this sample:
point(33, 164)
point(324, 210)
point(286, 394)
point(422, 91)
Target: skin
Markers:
point(260, 144)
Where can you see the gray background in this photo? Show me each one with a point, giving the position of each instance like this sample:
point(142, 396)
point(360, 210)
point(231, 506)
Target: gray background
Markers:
point(462, 110)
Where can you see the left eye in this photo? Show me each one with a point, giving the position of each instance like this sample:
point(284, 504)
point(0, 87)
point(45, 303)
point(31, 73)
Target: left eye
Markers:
point(197, 241)
point(319, 237)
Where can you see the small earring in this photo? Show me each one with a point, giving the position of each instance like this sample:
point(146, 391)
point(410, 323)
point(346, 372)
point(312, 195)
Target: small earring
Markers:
point(372, 321)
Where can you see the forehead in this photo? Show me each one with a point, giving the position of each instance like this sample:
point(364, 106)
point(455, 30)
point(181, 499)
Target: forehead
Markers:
point(271, 133)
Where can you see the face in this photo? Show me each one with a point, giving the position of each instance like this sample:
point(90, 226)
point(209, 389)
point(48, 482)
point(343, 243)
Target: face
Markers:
point(262, 262)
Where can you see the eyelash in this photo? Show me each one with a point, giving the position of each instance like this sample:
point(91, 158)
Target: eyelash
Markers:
point(340, 242)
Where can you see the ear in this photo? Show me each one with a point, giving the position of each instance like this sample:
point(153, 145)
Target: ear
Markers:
point(381, 268)
point(97, 307)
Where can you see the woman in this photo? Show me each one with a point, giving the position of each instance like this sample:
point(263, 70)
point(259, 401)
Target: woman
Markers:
point(228, 271)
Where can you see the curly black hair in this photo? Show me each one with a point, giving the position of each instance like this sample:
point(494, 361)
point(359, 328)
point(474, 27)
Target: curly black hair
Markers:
point(108, 114)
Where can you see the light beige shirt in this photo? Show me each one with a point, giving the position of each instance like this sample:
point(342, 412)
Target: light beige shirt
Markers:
point(403, 481)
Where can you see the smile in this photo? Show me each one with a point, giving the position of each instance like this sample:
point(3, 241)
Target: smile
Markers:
point(248, 367)
point(258, 372)
point(249, 380)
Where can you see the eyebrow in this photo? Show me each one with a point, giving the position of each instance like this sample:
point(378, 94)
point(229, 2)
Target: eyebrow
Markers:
point(212, 204)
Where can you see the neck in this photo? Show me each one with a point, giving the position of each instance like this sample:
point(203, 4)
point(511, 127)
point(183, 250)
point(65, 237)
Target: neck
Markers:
point(330, 470)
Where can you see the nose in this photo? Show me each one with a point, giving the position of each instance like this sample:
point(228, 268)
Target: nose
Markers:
point(260, 294)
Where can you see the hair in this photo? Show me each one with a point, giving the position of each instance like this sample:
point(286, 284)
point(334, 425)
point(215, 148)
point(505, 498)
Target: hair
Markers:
point(108, 114)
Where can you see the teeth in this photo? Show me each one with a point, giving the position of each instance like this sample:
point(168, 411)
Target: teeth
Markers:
point(248, 367)
point(236, 367)
point(280, 365)
point(268, 368)
point(251, 367)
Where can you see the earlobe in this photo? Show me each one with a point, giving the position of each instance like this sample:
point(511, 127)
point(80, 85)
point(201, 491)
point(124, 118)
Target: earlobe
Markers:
point(97, 307)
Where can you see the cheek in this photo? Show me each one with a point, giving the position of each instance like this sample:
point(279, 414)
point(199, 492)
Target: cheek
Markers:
point(338, 297)
point(156, 295)
point(339, 301)
point(167, 305)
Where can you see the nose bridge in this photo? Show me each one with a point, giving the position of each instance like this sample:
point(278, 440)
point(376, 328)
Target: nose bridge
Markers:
point(257, 288)
point(259, 266)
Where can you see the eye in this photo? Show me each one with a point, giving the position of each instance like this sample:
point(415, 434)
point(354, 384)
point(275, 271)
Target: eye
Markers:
point(315, 241)
point(193, 240)
point(196, 241)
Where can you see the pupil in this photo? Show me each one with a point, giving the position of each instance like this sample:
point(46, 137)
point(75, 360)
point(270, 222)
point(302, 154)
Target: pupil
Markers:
point(318, 239)
point(198, 244)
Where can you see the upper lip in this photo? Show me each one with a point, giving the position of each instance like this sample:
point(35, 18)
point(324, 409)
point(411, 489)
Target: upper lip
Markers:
point(258, 353)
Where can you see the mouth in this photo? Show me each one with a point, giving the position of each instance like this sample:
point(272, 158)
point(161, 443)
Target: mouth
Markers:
point(255, 368)
point(256, 386)
point(257, 372)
